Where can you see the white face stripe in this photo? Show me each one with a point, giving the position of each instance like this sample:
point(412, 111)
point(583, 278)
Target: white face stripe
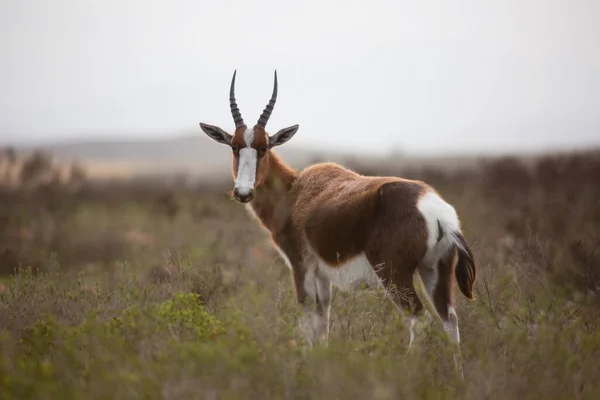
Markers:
point(246, 174)
point(249, 137)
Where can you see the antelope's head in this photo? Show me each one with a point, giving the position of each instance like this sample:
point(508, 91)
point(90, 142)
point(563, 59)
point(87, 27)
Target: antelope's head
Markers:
point(250, 146)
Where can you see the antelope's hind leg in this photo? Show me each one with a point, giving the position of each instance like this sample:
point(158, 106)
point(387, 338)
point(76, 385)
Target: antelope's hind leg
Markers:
point(399, 286)
point(405, 297)
point(396, 267)
point(438, 282)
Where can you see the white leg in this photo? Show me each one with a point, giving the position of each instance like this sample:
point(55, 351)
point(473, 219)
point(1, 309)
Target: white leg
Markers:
point(323, 306)
point(451, 329)
point(413, 321)
point(314, 322)
point(309, 308)
point(416, 325)
point(429, 276)
point(451, 326)
point(306, 325)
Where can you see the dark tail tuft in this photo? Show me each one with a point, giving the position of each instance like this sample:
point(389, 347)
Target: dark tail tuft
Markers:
point(465, 267)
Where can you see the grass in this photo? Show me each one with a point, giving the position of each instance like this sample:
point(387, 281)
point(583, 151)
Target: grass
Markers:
point(149, 290)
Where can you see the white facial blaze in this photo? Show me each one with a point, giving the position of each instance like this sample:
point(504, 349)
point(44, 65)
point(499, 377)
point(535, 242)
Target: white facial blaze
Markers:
point(246, 174)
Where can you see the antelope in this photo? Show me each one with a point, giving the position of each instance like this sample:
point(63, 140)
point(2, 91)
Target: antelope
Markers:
point(335, 227)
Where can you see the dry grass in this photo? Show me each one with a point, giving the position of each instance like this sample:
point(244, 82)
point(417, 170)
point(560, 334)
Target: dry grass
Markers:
point(154, 290)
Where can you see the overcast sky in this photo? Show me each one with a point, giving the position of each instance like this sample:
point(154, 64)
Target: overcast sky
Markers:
point(425, 76)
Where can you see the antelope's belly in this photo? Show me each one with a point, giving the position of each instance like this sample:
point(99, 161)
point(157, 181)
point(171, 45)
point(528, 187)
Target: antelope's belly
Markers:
point(352, 274)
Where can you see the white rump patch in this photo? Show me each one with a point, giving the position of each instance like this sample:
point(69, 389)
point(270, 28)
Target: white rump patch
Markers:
point(352, 274)
point(434, 209)
point(246, 174)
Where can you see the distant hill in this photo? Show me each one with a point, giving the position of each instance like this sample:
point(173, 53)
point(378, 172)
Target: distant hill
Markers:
point(198, 156)
point(193, 154)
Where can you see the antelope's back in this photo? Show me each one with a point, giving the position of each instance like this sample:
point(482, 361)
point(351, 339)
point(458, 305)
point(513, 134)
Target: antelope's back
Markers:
point(337, 209)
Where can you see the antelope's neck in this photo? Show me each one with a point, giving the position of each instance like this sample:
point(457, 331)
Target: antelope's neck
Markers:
point(271, 200)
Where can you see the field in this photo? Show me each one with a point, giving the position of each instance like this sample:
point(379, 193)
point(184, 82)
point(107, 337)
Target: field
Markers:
point(158, 289)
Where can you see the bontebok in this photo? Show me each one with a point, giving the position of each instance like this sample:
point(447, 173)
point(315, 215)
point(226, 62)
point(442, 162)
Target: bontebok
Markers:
point(333, 226)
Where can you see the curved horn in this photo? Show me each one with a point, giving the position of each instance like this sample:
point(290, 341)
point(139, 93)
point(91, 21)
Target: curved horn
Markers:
point(264, 118)
point(235, 111)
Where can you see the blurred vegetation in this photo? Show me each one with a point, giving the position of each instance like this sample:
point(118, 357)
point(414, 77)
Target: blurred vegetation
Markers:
point(160, 289)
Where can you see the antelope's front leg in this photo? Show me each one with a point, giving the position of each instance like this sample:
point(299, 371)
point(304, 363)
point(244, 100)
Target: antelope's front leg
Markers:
point(314, 295)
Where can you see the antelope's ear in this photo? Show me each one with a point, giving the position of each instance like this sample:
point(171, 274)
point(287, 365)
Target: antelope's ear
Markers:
point(283, 136)
point(217, 134)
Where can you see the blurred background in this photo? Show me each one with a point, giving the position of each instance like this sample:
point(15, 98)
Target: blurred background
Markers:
point(123, 85)
point(116, 215)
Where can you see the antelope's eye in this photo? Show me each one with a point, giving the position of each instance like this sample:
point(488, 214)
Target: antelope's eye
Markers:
point(262, 150)
point(235, 148)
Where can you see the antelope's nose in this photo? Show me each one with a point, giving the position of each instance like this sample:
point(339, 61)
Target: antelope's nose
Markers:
point(242, 196)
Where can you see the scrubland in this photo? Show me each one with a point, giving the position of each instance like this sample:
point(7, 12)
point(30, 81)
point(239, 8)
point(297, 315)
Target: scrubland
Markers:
point(157, 289)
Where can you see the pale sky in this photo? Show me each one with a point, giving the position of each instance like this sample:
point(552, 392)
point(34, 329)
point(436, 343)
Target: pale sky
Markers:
point(424, 76)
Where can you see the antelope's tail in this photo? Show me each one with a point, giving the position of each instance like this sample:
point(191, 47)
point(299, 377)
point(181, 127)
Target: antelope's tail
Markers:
point(466, 270)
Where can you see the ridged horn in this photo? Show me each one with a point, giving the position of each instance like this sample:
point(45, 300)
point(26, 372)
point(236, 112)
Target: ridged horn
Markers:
point(235, 111)
point(266, 114)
